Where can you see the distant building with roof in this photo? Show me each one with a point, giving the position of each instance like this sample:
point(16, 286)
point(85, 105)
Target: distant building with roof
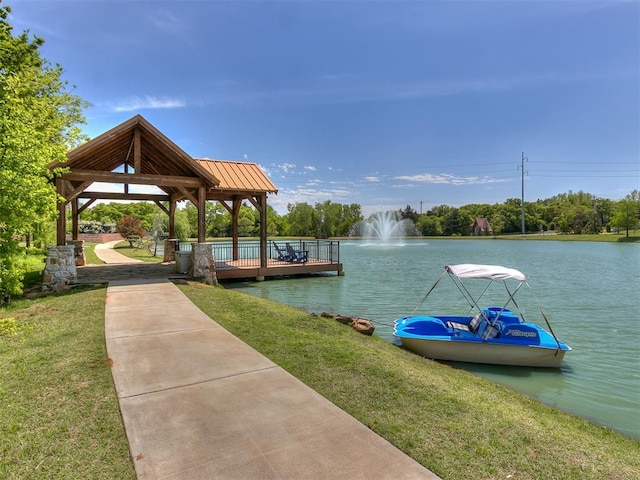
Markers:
point(481, 227)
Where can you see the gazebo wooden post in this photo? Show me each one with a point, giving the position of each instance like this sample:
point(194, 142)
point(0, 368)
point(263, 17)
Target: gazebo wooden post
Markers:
point(237, 203)
point(75, 219)
point(262, 202)
point(202, 200)
point(61, 224)
point(172, 218)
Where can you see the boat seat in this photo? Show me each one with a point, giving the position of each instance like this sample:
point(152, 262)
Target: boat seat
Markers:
point(458, 326)
point(492, 331)
point(474, 324)
point(472, 327)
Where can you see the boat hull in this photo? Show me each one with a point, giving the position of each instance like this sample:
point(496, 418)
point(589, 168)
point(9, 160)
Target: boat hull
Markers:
point(485, 352)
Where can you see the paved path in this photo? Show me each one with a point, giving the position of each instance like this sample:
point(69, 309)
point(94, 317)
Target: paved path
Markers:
point(198, 403)
point(107, 254)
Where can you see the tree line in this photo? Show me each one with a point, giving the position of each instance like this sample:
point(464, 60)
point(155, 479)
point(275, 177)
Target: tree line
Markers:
point(568, 213)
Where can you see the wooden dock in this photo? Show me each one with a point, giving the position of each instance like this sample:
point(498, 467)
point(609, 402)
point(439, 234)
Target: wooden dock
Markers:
point(94, 274)
point(246, 269)
point(284, 258)
point(321, 257)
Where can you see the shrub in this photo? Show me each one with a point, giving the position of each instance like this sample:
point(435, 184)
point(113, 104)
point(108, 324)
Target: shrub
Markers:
point(8, 327)
point(131, 229)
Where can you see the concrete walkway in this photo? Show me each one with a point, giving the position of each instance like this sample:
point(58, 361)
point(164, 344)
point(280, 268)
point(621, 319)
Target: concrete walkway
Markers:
point(107, 254)
point(198, 403)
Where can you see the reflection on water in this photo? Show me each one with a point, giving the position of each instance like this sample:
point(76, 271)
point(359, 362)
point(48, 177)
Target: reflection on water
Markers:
point(589, 291)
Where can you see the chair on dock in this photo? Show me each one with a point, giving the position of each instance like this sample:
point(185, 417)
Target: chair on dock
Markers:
point(283, 256)
point(297, 255)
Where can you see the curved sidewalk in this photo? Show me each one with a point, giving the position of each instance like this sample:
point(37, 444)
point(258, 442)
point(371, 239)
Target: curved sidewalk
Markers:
point(106, 253)
point(198, 403)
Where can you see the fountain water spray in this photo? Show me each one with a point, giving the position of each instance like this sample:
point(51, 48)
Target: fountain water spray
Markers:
point(384, 227)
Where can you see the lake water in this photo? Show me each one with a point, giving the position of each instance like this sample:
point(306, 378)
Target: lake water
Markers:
point(589, 291)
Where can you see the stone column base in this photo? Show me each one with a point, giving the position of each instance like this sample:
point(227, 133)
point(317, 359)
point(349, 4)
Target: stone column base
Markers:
point(78, 246)
point(170, 247)
point(203, 264)
point(60, 268)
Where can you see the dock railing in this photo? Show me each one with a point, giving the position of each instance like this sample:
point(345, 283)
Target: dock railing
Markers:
point(317, 251)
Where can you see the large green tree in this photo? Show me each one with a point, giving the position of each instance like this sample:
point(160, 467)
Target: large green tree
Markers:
point(324, 220)
point(217, 220)
point(246, 222)
point(457, 222)
point(409, 213)
point(39, 120)
point(627, 213)
point(327, 218)
point(302, 219)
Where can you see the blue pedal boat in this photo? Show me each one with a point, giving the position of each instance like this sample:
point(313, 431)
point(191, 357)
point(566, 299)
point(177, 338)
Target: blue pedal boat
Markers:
point(487, 334)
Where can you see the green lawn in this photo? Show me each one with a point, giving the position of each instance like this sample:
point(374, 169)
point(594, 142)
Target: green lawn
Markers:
point(59, 415)
point(89, 254)
point(60, 418)
point(137, 253)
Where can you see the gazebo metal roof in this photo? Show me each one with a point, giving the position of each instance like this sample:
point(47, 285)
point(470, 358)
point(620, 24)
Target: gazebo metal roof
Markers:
point(236, 176)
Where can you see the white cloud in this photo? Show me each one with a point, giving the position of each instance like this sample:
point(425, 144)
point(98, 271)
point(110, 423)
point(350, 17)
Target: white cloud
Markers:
point(310, 168)
point(268, 171)
point(166, 21)
point(373, 179)
point(147, 102)
point(404, 185)
point(287, 167)
point(447, 179)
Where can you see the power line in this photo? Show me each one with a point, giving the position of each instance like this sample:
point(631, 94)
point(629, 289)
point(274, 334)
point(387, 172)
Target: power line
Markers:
point(593, 171)
point(577, 175)
point(588, 163)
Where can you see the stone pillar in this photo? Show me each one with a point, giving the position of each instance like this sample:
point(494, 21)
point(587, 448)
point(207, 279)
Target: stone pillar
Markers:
point(170, 247)
point(203, 264)
point(78, 252)
point(60, 268)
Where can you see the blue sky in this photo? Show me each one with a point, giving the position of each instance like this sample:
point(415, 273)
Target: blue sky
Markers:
point(381, 103)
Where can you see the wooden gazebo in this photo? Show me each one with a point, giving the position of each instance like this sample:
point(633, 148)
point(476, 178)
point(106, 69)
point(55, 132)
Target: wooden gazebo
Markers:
point(136, 153)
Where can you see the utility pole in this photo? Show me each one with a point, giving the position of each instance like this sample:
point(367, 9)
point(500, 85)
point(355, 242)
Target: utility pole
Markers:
point(421, 202)
point(523, 173)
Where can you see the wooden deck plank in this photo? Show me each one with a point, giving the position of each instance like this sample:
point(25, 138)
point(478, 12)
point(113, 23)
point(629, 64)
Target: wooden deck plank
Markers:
point(247, 269)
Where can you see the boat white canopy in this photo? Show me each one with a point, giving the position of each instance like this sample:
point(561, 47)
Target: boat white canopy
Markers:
point(489, 272)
